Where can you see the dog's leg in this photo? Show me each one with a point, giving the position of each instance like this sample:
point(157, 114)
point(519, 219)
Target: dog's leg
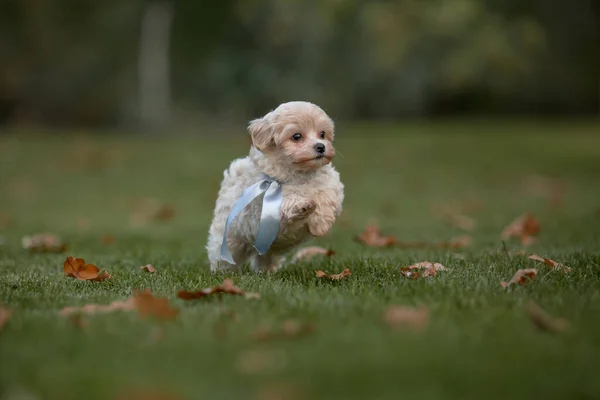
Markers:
point(322, 219)
point(267, 263)
point(239, 250)
point(297, 209)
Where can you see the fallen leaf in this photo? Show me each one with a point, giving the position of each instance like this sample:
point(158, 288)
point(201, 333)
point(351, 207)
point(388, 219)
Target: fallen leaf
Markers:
point(551, 263)
point(259, 361)
point(334, 277)
point(78, 269)
point(107, 239)
point(430, 269)
point(119, 305)
point(43, 243)
point(165, 213)
point(226, 287)
point(407, 317)
point(372, 237)
point(521, 277)
point(289, 329)
point(148, 305)
point(545, 322)
point(148, 268)
point(426, 265)
point(5, 314)
point(524, 227)
point(410, 274)
point(310, 252)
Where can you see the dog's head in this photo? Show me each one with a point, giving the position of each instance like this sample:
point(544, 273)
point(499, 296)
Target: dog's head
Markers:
point(297, 133)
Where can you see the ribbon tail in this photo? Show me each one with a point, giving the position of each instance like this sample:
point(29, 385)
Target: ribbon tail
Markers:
point(269, 219)
point(246, 198)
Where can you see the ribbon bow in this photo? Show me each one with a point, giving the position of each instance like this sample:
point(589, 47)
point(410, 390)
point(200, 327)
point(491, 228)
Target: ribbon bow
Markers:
point(269, 216)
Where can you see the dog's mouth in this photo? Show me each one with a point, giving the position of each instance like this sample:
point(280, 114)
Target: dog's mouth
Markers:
point(318, 157)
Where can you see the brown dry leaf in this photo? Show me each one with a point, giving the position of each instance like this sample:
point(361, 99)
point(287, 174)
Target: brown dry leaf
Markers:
point(430, 269)
point(43, 243)
point(524, 227)
point(148, 268)
point(545, 322)
point(107, 239)
point(407, 317)
point(78, 269)
point(289, 329)
point(521, 277)
point(310, 252)
point(119, 305)
point(165, 213)
point(426, 265)
point(410, 274)
point(5, 314)
point(372, 237)
point(334, 277)
point(551, 263)
point(259, 361)
point(226, 287)
point(158, 307)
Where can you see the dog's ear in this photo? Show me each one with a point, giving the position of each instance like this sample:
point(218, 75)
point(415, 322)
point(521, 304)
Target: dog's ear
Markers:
point(261, 133)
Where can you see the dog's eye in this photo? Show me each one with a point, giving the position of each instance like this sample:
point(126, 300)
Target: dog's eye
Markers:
point(322, 134)
point(296, 137)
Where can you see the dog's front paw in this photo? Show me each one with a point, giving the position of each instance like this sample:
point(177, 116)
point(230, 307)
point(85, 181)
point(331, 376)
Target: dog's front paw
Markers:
point(303, 210)
point(318, 229)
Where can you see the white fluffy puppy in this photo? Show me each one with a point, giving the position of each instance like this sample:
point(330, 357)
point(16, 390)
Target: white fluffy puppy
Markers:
point(292, 144)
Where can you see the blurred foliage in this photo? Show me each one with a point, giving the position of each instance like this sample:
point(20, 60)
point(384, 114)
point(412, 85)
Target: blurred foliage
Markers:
point(75, 62)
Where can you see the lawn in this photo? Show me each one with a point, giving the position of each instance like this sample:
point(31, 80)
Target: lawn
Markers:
point(479, 343)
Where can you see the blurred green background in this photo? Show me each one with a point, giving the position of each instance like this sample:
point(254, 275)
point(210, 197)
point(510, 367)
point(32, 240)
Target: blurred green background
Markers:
point(161, 64)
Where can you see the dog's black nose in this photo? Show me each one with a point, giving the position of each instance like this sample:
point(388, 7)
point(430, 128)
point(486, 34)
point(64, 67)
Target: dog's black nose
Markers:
point(320, 148)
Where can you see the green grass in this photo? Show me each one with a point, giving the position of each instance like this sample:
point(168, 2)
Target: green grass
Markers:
point(479, 343)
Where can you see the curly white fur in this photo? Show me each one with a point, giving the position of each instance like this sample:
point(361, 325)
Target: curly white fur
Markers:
point(312, 190)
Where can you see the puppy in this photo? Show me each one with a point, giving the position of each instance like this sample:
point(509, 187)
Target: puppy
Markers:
point(293, 145)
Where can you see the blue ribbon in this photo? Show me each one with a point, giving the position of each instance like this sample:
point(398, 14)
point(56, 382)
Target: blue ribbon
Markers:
point(269, 216)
